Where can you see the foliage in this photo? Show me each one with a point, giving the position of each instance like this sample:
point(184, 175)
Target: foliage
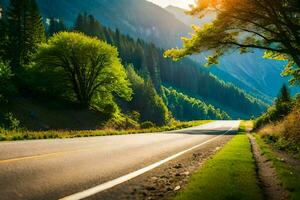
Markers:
point(146, 100)
point(185, 75)
point(121, 122)
point(89, 69)
point(25, 31)
point(9, 122)
point(282, 107)
point(8, 135)
point(147, 124)
point(272, 26)
point(186, 108)
point(284, 135)
point(7, 88)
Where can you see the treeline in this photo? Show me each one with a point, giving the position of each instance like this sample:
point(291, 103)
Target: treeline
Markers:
point(185, 75)
point(186, 108)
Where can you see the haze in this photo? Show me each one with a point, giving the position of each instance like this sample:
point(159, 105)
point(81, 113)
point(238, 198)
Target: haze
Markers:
point(179, 3)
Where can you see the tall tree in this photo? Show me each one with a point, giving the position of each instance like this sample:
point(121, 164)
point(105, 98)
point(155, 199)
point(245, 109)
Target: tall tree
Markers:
point(284, 95)
point(3, 34)
point(273, 26)
point(25, 31)
point(55, 26)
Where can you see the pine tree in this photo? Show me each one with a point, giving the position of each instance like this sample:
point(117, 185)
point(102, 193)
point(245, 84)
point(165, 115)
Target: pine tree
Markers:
point(3, 34)
point(25, 31)
point(55, 26)
point(284, 95)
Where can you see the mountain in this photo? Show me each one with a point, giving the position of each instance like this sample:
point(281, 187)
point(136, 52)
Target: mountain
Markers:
point(251, 72)
point(137, 18)
point(181, 15)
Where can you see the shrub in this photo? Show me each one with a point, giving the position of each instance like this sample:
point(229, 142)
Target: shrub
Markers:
point(121, 121)
point(7, 88)
point(147, 125)
point(10, 122)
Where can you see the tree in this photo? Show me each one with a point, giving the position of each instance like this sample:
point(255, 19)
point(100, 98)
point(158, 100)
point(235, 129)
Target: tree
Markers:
point(90, 67)
point(284, 95)
point(272, 26)
point(25, 31)
point(55, 26)
point(3, 34)
point(146, 100)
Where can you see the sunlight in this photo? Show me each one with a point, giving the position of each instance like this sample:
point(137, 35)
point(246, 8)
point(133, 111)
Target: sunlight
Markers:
point(179, 3)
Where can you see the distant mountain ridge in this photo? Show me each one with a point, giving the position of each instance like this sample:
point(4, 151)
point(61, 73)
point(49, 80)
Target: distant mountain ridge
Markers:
point(137, 18)
point(251, 72)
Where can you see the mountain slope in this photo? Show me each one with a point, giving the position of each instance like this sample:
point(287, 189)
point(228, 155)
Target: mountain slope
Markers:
point(138, 18)
point(251, 72)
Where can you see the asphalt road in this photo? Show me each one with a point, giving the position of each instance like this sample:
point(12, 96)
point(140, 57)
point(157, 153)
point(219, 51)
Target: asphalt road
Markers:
point(54, 169)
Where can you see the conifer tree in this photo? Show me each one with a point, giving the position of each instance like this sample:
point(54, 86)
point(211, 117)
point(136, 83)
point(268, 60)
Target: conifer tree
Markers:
point(25, 31)
point(55, 26)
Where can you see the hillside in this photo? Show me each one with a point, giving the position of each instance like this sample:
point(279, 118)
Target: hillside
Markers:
point(250, 72)
point(140, 19)
point(185, 75)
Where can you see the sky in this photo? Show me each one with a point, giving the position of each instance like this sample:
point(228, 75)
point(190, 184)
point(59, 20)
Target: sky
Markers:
point(179, 3)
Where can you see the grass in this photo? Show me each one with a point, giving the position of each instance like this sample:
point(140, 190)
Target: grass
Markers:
point(6, 135)
point(288, 175)
point(230, 174)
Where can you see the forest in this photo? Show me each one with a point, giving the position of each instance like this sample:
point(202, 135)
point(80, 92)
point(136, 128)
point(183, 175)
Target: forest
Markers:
point(92, 67)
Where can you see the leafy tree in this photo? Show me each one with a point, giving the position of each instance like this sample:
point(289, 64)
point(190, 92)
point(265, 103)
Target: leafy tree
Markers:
point(25, 31)
point(89, 67)
point(185, 75)
point(272, 26)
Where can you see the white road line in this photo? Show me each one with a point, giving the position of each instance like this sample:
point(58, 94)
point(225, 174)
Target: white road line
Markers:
point(122, 179)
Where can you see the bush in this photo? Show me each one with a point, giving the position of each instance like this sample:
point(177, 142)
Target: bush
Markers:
point(285, 135)
point(121, 121)
point(147, 125)
point(7, 88)
point(10, 122)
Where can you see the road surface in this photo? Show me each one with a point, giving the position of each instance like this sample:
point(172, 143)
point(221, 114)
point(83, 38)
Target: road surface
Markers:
point(81, 167)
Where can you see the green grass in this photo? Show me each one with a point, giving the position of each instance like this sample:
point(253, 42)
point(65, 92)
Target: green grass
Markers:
point(6, 135)
point(230, 174)
point(288, 175)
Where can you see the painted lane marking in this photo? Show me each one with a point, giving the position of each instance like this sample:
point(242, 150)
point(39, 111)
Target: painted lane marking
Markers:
point(10, 160)
point(102, 187)
point(44, 155)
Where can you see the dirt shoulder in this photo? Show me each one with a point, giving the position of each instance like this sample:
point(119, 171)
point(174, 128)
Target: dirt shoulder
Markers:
point(166, 181)
point(270, 183)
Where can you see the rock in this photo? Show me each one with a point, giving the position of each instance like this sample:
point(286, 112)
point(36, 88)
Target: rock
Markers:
point(150, 188)
point(186, 173)
point(178, 166)
point(154, 178)
point(177, 188)
point(177, 174)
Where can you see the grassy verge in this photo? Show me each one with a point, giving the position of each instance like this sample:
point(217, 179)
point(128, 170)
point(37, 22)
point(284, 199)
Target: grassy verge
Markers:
point(31, 135)
point(230, 174)
point(288, 175)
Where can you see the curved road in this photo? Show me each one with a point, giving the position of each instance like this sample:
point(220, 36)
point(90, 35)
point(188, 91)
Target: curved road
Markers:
point(54, 169)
